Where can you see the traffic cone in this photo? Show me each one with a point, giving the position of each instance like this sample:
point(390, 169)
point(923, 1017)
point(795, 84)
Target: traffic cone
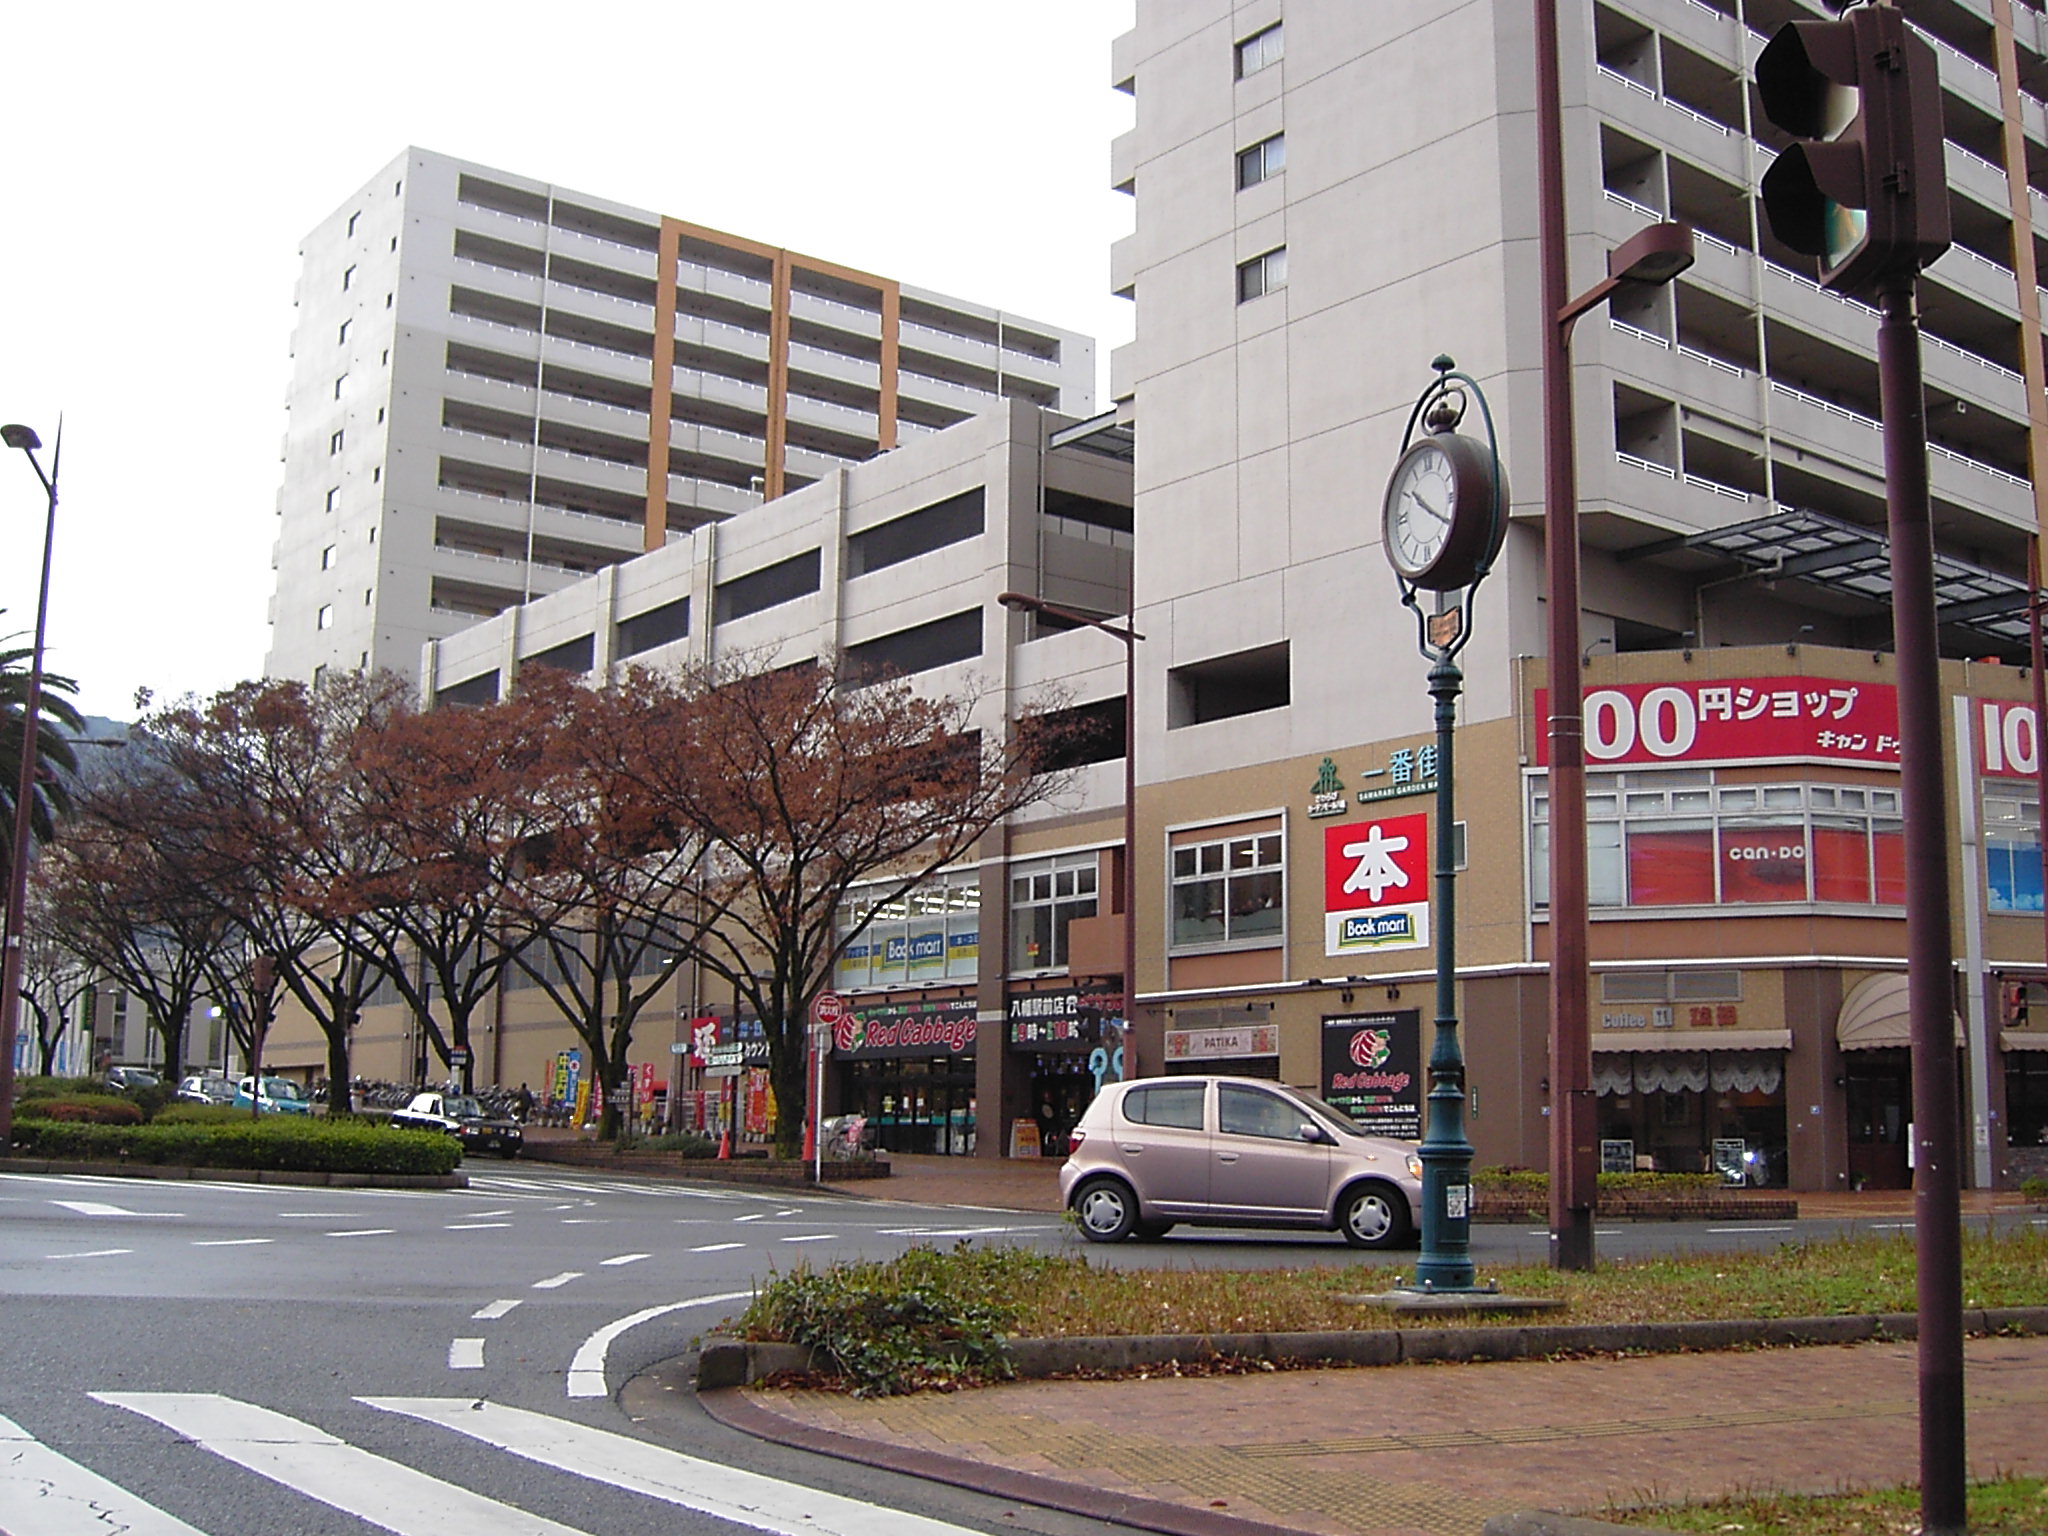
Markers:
point(810, 1139)
point(725, 1144)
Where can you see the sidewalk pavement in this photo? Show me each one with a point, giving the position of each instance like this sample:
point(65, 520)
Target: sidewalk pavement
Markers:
point(1417, 1450)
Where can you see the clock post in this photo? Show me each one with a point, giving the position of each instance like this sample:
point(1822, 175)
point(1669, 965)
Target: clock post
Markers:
point(1445, 518)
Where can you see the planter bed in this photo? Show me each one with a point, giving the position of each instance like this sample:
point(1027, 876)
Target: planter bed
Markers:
point(739, 1170)
point(1732, 1205)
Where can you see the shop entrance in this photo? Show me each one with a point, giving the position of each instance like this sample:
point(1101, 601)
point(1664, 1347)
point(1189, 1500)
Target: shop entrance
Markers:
point(1879, 1094)
point(915, 1104)
point(1061, 1089)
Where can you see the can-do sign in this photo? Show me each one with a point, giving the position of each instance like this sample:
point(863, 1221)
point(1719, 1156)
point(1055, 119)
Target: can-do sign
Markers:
point(1733, 720)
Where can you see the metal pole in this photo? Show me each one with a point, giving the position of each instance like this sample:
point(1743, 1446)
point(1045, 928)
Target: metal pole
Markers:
point(24, 801)
point(1445, 1262)
point(2040, 681)
point(1130, 640)
point(1573, 1170)
point(1937, 1148)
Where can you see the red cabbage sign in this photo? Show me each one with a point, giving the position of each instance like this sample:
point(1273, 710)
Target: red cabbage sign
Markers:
point(1735, 720)
point(905, 1029)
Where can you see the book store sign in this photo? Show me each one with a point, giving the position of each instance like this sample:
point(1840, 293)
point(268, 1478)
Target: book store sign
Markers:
point(1409, 771)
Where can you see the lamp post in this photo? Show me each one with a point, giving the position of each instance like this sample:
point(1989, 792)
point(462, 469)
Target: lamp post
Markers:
point(1025, 603)
point(24, 438)
point(1654, 255)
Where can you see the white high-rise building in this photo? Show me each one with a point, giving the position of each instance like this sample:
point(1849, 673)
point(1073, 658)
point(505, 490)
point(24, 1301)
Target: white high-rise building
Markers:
point(474, 417)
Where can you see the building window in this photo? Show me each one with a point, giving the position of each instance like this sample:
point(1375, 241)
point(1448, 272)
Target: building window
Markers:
point(782, 582)
point(1225, 687)
point(368, 594)
point(940, 643)
point(577, 656)
point(1262, 275)
point(380, 415)
point(326, 616)
point(338, 383)
point(342, 334)
point(348, 278)
point(1679, 838)
point(929, 933)
point(1262, 162)
point(376, 478)
point(327, 558)
point(1229, 891)
point(952, 521)
point(2012, 847)
point(333, 497)
point(1259, 50)
point(388, 299)
point(1045, 896)
point(334, 442)
point(657, 626)
point(352, 226)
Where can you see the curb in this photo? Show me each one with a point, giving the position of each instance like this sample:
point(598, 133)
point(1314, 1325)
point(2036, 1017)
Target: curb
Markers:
point(726, 1363)
point(304, 1177)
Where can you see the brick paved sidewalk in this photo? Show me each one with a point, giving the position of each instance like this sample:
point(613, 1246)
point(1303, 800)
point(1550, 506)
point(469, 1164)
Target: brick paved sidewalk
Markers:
point(1435, 1450)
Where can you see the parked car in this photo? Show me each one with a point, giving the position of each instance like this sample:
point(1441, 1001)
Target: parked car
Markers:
point(280, 1096)
point(1235, 1152)
point(463, 1117)
point(121, 1079)
point(206, 1089)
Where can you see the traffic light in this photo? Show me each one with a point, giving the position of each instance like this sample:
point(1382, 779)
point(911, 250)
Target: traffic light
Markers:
point(1866, 189)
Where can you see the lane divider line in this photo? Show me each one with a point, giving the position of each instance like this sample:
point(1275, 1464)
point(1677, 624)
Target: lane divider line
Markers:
point(493, 1312)
point(586, 1370)
point(556, 1282)
point(465, 1354)
point(625, 1258)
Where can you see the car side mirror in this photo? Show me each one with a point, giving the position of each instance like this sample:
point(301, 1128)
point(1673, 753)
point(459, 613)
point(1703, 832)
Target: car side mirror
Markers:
point(1315, 1134)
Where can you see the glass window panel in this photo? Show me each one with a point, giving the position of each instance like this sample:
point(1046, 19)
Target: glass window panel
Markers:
point(1783, 797)
point(1605, 885)
point(1643, 803)
point(1672, 866)
point(1885, 801)
point(1539, 866)
point(1269, 849)
point(1084, 880)
point(1183, 863)
point(1738, 799)
point(1198, 912)
point(1031, 938)
point(1693, 802)
point(1763, 861)
point(1063, 883)
point(1841, 859)
point(1888, 863)
point(1822, 794)
point(1850, 799)
point(1212, 859)
point(1254, 906)
point(1603, 805)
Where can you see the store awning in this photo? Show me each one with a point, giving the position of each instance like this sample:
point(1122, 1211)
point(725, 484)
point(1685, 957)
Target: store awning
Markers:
point(1874, 1015)
point(2023, 1039)
point(1696, 1040)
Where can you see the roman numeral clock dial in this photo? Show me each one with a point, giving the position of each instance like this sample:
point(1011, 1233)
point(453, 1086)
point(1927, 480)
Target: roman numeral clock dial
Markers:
point(1439, 512)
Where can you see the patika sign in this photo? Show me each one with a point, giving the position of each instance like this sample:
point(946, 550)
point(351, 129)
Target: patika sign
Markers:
point(905, 1029)
point(1372, 1070)
point(1246, 1040)
point(1376, 885)
point(1736, 720)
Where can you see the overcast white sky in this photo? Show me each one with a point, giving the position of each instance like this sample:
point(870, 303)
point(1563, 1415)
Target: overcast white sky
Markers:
point(167, 159)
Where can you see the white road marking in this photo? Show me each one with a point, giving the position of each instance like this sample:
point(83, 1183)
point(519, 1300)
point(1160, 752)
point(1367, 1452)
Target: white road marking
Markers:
point(314, 1463)
point(231, 1242)
point(956, 1231)
point(792, 1211)
point(493, 1312)
point(1786, 1228)
point(97, 1253)
point(465, 1354)
point(316, 1215)
point(753, 1216)
point(586, 1221)
point(717, 1247)
point(480, 1215)
point(366, 1232)
point(744, 1498)
point(586, 1370)
point(556, 1282)
point(811, 1237)
point(625, 1258)
point(475, 1226)
point(95, 1208)
point(45, 1494)
point(1891, 1226)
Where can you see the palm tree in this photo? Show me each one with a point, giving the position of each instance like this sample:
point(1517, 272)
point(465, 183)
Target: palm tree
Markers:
point(56, 722)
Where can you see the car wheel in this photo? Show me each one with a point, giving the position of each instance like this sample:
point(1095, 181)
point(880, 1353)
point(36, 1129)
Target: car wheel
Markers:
point(1374, 1216)
point(1150, 1231)
point(1107, 1209)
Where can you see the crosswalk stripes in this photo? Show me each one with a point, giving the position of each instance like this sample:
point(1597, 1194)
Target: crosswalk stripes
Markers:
point(746, 1498)
point(312, 1462)
point(45, 1494)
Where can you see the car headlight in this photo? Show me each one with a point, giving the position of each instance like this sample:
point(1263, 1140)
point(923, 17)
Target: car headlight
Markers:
point(1415, 1165)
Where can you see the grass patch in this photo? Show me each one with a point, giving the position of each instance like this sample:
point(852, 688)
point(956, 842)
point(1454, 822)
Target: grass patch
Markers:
point(2014, 1506)
point(868, 1316)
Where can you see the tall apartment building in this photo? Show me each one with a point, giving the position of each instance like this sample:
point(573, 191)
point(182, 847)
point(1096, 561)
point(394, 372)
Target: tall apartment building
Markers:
point(499, 386)
point(1328, 196)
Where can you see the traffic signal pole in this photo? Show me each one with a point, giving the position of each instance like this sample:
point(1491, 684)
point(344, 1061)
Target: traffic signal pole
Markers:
point(1937, 1142)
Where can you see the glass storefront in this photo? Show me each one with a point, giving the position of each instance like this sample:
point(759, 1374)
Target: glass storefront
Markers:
point(914, 1104)
point(1694, 1112)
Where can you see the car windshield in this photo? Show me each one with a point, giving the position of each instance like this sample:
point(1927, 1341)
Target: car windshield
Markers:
point(1329, 1114)
point(281, 1088)
point(462, 1109)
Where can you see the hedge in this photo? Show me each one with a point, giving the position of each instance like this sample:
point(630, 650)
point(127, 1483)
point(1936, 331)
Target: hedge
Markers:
point(91, 1108)
point(281, 1142)
point(1530, 1181)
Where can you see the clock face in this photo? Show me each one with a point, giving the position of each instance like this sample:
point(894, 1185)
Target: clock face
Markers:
point(1422, 501)
point(1440, 526)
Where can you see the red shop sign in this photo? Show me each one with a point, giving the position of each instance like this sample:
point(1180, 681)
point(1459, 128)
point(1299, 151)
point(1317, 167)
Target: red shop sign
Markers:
point(1735, 720)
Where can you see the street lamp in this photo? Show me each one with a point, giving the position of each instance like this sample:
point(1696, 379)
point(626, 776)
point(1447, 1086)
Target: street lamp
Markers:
point(24, 438)
point(1652, 256)
point(1025, 603)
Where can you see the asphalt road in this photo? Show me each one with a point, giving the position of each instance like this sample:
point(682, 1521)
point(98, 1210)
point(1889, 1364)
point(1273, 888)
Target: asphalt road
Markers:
point(243, 1359)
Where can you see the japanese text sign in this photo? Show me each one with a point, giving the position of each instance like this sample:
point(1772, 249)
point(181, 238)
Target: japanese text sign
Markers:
point(1376, 885)
point(1732, 720)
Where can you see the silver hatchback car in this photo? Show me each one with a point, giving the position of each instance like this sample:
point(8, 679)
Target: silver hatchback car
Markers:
point(1235, 1152)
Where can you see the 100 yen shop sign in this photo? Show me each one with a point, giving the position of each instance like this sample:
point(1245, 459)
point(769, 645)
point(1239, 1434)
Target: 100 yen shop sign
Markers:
point(1372, 1070)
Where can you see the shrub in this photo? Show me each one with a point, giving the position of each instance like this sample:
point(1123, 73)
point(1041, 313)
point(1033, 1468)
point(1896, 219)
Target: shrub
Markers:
point(199, 1114)
point(2035, 1187)
point(27, 1088)
point(925, 1319)
point(1531, 1182)
point(282, 1142)
point(682, 1143)
point(86, 1108)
